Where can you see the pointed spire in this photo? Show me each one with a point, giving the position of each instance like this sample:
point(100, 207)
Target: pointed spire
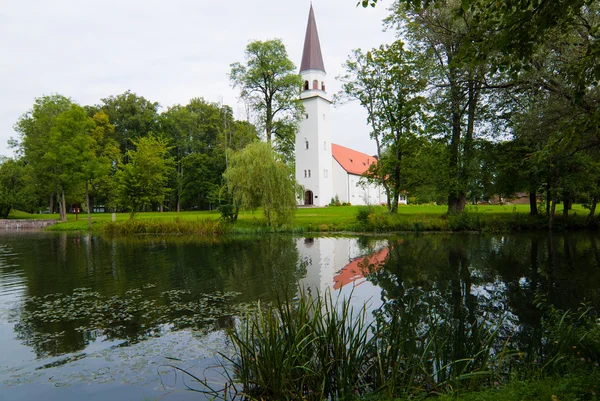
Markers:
point(312, 59)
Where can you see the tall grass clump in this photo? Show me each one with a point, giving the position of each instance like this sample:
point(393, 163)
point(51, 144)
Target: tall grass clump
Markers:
point(324, 349)
point(176, 226)
point(320, 348)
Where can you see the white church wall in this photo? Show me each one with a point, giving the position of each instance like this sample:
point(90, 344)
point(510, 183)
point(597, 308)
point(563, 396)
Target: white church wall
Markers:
point(340, 181)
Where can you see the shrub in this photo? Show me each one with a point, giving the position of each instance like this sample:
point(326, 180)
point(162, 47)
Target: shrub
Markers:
point(362, 215)
point(227, 212)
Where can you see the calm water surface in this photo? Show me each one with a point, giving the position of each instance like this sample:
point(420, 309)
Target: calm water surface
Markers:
point(97, 317)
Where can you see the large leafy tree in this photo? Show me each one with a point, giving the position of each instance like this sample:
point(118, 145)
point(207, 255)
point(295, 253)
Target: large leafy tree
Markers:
point(144, 180)
point(200, 134)
point(16, 187)
point(256, 177)
point(99, 168)
point(458, 88)
point(384, 82)
point(34, 128)
point(56, 142)
point(132, 115)
point(269, 83)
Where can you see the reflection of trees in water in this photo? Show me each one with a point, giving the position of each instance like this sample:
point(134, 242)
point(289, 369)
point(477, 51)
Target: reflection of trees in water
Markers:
point(467, 279)
point(115, 269)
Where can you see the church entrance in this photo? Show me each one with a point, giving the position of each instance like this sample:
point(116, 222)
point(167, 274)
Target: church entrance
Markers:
point(308, 198)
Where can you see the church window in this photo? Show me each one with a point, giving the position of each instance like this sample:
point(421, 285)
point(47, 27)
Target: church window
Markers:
point(325, 173)
point(305, 85)
point(315, 84)
point(305, 175)
point(323, 116)
point(325, 145)
point(305, 143)
point(306, 116)
point(323, 86)
point(308, 173)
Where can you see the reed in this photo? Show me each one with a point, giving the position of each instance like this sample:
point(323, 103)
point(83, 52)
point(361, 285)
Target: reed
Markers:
point(176, 226)
point(322, 348)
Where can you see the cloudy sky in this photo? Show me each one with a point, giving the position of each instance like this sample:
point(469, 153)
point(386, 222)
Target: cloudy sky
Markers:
point(168, 51)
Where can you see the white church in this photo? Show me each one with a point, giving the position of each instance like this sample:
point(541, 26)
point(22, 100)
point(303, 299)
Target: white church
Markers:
point(323, 168)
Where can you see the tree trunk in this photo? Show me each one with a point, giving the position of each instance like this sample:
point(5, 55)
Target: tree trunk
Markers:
point(548, 200)
point(533, 203)
point(566, 200)
point(60, 209)
point(454, 194)
point(552, 210)
point(87, 204)
point(64, 207)
point(591, 215)
point(51, 205)
point(131, 215)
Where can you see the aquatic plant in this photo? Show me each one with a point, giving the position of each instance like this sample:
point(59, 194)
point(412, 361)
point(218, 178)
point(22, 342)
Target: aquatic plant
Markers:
point(177, 226)
point(322, 348)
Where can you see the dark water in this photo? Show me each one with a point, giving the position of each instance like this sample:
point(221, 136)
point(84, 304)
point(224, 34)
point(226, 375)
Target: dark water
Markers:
point(95, 317)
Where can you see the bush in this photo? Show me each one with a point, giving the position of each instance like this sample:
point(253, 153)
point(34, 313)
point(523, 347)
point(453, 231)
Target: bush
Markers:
point(227, 212)
point(468, 220)
point(362, 215)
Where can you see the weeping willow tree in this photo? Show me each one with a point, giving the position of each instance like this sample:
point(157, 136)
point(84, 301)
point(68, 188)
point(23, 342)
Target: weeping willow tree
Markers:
point(256, 177)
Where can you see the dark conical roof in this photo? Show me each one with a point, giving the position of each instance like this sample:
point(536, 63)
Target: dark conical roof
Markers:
point(312, 59)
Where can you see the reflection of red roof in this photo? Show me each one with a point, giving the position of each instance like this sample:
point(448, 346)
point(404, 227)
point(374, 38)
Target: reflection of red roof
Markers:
point(359, 268)
point(352, 161)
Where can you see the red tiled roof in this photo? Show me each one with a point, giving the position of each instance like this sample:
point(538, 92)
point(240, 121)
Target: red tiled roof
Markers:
point(352, 161)
point(360, 268)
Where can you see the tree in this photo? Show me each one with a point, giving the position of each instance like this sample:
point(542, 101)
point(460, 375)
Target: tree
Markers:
point(442, 34)
point(104, 155)
point(257, 178)
point(384, 82)
point(200, 134)
point(144, 179)
point(16, 190)
point(133, 116)
point(56, 142)
point(268, 82)
point(34, 129)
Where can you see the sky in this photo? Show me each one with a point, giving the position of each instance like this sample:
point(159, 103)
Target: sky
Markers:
point(169, 51)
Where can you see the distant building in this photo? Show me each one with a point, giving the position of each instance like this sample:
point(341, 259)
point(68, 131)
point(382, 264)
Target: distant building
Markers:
point(324, 169)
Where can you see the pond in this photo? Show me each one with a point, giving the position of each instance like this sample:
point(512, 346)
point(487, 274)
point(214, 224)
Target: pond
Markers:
point(98, 317)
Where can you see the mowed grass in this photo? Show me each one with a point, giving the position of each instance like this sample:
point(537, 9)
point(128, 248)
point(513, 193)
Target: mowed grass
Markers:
point(326, 219)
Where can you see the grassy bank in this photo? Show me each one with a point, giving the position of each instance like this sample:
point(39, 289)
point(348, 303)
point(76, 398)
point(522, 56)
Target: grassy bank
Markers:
point(577, 386)
point(327, 219)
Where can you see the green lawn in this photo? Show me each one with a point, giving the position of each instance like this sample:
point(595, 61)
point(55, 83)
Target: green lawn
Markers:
point(337, 218)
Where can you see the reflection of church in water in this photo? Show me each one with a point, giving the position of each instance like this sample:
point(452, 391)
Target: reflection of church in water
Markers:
point(338, 263)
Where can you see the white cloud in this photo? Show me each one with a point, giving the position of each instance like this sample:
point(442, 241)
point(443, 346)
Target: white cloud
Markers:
point(167, 51)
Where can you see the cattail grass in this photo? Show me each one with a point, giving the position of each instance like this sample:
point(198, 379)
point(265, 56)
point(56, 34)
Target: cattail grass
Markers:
point(323, 348)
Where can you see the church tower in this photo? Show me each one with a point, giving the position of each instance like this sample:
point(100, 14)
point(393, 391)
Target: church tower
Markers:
point(313, 140)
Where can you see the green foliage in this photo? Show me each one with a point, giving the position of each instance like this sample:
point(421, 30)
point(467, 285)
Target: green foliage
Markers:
point(143, 181)
point(468, 220)
point(384, 82)
point(256, 178)
point(269, 83)
point(228, 212)
point(133, 116)
point(320, 348)
point(199, 226)
point(16, 187)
